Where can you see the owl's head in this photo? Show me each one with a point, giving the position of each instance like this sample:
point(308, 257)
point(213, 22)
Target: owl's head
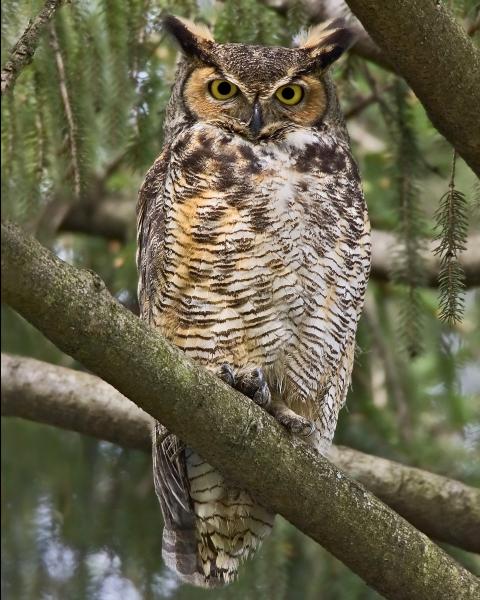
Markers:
point(257, 91)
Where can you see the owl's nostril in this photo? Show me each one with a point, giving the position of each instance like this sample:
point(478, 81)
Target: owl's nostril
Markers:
point(256, 122)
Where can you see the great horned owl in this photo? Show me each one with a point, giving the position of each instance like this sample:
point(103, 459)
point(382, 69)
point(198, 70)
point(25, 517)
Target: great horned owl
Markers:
point(253, 254)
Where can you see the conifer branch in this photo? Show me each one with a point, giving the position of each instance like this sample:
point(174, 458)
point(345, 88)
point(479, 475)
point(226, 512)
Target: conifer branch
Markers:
point(451, 225)
point(73, 308)
point(69, 115)
point(22, 52)
point(408, 269)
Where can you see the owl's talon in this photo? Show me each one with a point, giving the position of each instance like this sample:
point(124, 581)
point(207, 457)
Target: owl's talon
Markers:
point(253, 384)
point(294, 423)
point(227, 374)
point(262, 396)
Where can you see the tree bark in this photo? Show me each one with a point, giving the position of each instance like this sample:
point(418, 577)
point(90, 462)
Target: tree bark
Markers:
point(439, 61)
point(22, 52)
point(73, 308)
point(442, 508)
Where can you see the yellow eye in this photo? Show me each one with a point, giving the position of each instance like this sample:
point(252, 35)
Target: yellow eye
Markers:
point(221, 89)
point(289, 94)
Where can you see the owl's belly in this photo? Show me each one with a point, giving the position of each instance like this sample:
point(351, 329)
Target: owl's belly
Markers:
point(232, 292)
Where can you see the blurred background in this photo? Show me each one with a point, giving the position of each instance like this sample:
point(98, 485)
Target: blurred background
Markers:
point(82, 126)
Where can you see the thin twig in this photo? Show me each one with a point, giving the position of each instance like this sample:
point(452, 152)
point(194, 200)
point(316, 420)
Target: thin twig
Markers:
point(67, 106)
point(21, 54)
point(366, 101)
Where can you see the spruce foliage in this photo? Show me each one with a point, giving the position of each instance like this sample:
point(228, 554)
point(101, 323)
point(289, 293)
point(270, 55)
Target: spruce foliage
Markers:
point(451, 224)
point(408, 268)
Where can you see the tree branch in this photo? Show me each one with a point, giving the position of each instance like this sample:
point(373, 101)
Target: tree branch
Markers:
point(442, 508)
point(438, 60)
point(22, 53)
point(73, 309)
point(385, 243)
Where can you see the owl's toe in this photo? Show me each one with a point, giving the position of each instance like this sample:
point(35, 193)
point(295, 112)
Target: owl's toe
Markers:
point(262, 396)
point(294, 423)
point(253, 384)
point(227, 374)
point(302, 427)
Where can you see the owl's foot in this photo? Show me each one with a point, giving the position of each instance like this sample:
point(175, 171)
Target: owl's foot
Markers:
point(250, 382)
point(291, 421)
point(253, 384)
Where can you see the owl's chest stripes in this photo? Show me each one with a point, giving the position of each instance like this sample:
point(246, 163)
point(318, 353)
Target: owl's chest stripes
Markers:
point(228, 283)
point(243, 263)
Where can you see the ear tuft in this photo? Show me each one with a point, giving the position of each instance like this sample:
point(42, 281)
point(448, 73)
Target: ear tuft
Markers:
point(328, 41)
point(193, 38)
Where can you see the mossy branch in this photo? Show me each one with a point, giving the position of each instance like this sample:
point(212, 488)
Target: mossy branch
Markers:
point(73, 308)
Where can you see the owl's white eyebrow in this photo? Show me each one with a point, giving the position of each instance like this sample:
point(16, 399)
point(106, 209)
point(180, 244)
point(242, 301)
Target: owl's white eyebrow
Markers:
point(286, 81)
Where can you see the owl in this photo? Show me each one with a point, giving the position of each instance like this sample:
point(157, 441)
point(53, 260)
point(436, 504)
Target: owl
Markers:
point(253, 258)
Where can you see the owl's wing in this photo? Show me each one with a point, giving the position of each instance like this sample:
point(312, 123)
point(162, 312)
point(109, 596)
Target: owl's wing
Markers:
point(151, 231)
point(170, 476)
point(179, 544)
point(169, 468)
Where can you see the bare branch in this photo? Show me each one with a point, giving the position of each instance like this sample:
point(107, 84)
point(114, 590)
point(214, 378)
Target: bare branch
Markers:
point(22, 53)
point(73, 308)
point(67, 107)
point(384, 244)
point(444, 509)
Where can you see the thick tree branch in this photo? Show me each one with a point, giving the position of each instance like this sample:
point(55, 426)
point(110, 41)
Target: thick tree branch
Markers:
point(74, 309)
point(444, 509)
point(439, 61)
point(22, 53)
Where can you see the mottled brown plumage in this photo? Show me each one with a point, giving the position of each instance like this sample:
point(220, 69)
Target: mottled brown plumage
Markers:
point(253, 254)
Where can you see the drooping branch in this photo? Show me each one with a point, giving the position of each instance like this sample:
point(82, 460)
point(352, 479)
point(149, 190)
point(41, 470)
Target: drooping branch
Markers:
point(68, 110)
point(73, 309)
point(444, 509)
point(439, 61)
point(21, 54)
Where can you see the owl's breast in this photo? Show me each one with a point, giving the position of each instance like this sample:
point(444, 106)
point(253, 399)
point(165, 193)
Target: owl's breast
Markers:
point(239, 233)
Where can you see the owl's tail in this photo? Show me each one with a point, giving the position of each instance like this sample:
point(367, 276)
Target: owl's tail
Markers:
point(194, 561)
point(209, 528)
point(198, 563)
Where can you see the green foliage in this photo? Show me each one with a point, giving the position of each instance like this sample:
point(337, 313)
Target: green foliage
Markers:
point(408, 266)
point(249, 22)
point(452, 225)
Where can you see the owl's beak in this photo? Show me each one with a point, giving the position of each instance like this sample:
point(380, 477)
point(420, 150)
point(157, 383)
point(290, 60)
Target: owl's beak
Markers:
point(256, 122)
